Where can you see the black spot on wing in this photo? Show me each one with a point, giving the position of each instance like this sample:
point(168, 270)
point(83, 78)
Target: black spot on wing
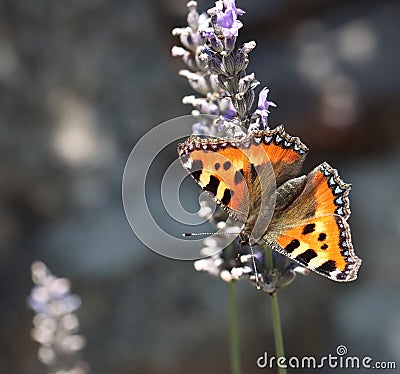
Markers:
point(217, 165)
point(327, 267)
point(198, 168)
point(238, 176)
point(227, 196)
point(309, 228)
point(292, 246)
point(212, 185)
point(306, 256)
point(227, 165)
point(324, 246)
point(322, 237)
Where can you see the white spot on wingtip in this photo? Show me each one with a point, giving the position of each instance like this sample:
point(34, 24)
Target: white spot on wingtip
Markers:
point(188, 163)
point(339, 200)
point(338, 190)
point(334, 274)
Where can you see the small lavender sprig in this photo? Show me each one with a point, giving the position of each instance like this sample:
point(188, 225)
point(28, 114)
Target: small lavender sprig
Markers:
point(55, 322)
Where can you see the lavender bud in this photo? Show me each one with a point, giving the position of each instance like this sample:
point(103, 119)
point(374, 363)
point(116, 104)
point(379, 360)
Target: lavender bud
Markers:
point(189, 100)
point(229, 64)
point(196, 81)
point(201, 65)
point(214, 11)
point(191, 5)
point(249, 97)
point(193, 15)
point(187, 41)
point(198, 39)
point(178, 51)
point(217, 28)
point(244, 83)
point(224, 82)
point(216, 44)
point(230, 42)
point(243, 86)
point(247, 47)
point(254, 84)
point(203, 57)
point(214, 82)
point(241, 62)
point(216, 66)
point(190, 61)
point(240, 106)
point(178, 31)
point(205, 53)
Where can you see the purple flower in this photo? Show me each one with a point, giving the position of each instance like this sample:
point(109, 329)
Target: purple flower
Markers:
point(229, 115)
point(230, 4)
point(209, 33)
point(228, 20)
point(216, 44)
point(264, 104)
point(230, 112)
point(230, 25)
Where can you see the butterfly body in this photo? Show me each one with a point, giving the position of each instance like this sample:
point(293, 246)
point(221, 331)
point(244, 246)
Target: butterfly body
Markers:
point(255, 180)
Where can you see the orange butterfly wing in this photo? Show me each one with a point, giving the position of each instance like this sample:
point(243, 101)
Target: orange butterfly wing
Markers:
point(226, 167)
point(313, 229)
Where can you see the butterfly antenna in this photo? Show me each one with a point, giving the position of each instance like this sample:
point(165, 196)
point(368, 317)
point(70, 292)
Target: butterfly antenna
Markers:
point(185, 234)
point(255, 267)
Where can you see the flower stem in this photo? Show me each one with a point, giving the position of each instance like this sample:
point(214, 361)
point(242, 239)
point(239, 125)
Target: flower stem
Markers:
point(276, 318)
point(276, 322)
point(234, 330)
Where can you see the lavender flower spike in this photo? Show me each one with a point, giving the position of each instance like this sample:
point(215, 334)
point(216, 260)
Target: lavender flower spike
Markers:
point(55, 323)
point(264, 104)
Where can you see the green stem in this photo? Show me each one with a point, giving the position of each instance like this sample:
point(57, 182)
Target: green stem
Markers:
point(269, 263)
point(276, 318)
point(276, 322)
point(234, 330)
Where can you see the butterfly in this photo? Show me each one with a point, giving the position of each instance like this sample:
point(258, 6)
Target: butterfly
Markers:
point(255, 179)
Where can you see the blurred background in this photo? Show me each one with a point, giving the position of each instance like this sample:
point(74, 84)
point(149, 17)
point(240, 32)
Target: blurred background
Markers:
point(82, 81)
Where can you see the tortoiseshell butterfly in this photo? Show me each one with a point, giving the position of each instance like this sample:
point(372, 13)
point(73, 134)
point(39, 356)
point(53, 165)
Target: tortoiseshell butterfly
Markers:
point(257, 176)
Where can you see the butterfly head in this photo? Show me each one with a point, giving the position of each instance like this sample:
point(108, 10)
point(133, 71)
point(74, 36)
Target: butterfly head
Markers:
point(244, 238)
point(249, 237)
